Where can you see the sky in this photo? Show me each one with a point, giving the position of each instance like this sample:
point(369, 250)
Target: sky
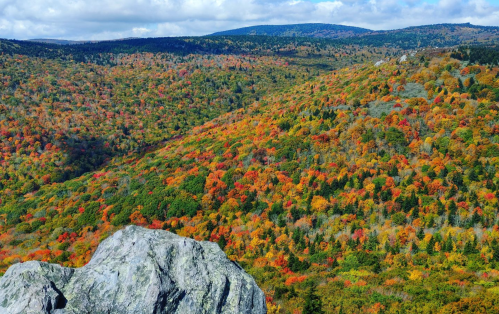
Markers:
point(112, 19)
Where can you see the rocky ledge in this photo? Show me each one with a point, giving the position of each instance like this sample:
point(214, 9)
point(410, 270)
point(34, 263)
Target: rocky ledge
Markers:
point(136, 271)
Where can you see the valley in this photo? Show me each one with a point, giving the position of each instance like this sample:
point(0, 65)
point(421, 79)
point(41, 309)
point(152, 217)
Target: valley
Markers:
point(340, 183)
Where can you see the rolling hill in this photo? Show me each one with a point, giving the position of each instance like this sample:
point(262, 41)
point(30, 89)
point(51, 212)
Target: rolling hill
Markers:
point(72, 42)
point(361, 187)
point(441, 35)
point(378, 182)
point(311, 47)
point(314, 30)
point(60, 41)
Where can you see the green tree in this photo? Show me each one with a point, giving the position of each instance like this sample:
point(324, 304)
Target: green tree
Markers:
point(398, 219)
point(452, 213)
point(414, 248)
point(313, 303)
point(430, 247)
point(222, 242)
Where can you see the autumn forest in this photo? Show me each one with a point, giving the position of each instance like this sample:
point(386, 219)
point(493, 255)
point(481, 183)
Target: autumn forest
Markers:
point(340, 183)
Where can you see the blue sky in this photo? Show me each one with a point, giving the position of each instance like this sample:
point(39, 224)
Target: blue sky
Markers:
point(402, 2)
point(110, 19)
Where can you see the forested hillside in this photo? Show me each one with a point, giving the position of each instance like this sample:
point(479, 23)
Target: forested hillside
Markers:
point(61, 119)
point(438, 35)
point(299, 41)
point(367, 189)
point(314, 54)
point(314, 30)
point(341, 183)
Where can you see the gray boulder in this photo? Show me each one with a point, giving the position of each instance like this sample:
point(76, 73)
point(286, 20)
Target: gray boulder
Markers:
point(138, 271)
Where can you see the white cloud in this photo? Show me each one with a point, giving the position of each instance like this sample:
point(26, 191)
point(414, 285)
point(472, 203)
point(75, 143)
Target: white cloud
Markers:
point(329, 6)
point(107, 19)
point(140, 31)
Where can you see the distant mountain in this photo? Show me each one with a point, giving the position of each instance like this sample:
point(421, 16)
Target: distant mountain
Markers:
point(441, 35)
point(286, 40)
point(417, 36)
point(72, 42)
point(467, 29)
point(61, 41)
point(314, 30)
point(437, 35)
point(465, 32)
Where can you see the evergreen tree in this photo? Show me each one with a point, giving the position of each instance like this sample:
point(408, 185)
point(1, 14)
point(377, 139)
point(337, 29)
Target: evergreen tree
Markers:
point(420, 234)
point(210, 226)
point(388, 247)
point(461, 86)
point(443, 173)
point(471, 247)
point(441, 208)
point(292, 261)
point(447, 247)
point(452, 213)
point(222, 242)
point(384, 212)
point(468, 248)
point(281, 222)
point(414, 248)
point(495, 254)
point(313, 303)
point(430, 247)
point(337, 245)
point(475, 218)
point(431, 223)
point(335, 264)
point(394, 172)
point(431, 173)
point(296, 235)
point(311, 248)
point(296, 265)
point(415, 213)
point(372, 242)
point(473, 175)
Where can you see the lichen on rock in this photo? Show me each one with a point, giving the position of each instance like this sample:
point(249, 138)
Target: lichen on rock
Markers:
point(137, 270)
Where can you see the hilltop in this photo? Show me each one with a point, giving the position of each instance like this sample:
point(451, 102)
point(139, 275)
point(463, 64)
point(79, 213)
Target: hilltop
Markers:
point(314, 30)
point(60, 41)
point(72, 42)
point(441, 35)
point(310, 44)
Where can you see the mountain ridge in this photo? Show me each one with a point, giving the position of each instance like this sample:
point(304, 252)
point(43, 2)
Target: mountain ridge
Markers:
point(315, 30)
point(64, 42)
point(320, 30)
point(307, 30)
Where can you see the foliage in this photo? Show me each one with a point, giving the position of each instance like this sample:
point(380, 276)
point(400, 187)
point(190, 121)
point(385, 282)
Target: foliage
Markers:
point(387, 201)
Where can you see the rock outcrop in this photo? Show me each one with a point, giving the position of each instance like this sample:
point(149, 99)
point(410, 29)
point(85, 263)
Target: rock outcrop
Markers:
point(138, 271)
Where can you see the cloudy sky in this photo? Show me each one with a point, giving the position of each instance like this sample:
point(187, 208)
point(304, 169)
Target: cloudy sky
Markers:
point(110, 19)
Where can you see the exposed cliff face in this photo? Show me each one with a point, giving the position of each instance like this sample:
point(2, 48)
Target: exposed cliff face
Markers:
point(136, 270)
